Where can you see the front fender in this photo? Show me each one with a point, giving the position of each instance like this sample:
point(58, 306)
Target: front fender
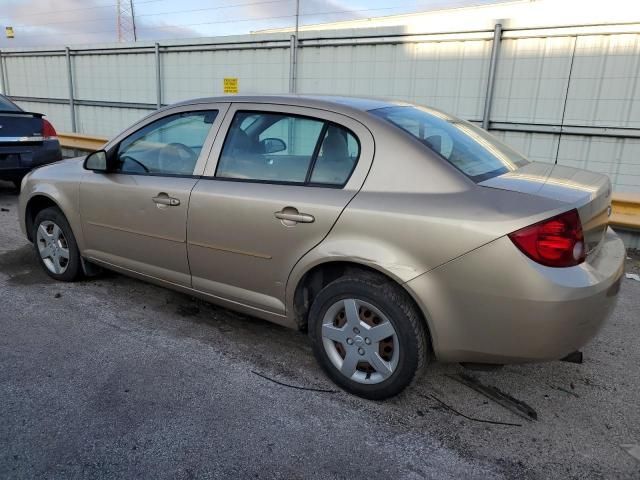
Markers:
point(60, 187)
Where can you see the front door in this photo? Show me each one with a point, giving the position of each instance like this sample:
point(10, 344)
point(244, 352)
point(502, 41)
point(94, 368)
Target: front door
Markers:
point(135, 217)
point(283, 177)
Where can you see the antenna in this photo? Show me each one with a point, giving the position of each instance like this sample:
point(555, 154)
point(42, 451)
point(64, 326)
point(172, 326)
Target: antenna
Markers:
point(126, 24)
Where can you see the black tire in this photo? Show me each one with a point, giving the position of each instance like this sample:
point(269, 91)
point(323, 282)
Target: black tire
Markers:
point(73, 269)
point(398, 307)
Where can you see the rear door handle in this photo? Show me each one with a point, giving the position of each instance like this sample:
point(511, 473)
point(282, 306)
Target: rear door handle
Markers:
point(164, 199)
point(291, 216)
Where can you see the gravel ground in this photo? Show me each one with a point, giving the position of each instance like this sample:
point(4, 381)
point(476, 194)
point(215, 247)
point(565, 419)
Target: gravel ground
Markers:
point(113, 378)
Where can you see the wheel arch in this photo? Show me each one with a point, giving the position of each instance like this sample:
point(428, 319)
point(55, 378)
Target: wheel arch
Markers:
point(36, 204)
point(45, 196)
point(321, 274)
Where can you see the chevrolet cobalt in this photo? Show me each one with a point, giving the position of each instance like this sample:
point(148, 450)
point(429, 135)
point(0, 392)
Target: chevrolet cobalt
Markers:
point(394, 234)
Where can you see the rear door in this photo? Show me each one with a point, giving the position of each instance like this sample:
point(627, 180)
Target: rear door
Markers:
point(276, 182)
point(135, 217)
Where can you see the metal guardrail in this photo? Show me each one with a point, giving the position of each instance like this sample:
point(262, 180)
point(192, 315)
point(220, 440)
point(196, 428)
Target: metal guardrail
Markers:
point(81, 142)
point(625, 211)
point(625, 206)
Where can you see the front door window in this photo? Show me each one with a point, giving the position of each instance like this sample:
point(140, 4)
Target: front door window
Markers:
point(169, 146)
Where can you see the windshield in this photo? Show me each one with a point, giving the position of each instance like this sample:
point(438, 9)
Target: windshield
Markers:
point(7, 105)
point(470, 149)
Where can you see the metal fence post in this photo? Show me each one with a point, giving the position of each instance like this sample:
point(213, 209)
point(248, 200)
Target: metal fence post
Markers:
point(293, 47)
point(158, 78)
point(3, 76)
point(72, 106)
point(495, 52)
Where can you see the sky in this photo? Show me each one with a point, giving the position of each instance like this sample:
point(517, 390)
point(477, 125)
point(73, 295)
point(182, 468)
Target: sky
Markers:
point(72, 22)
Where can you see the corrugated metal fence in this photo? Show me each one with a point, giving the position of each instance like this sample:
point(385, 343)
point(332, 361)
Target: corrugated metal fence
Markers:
point(570, 93)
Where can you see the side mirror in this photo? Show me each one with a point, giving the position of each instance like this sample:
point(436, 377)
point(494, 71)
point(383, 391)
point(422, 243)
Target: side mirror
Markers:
point(96, 161)
point(273, 145)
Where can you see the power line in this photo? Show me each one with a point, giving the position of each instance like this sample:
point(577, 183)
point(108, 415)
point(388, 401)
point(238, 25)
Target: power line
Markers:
point(180, 25)
point(160, 27)
point(109, 5)
point(238, 20)
point(102, 19)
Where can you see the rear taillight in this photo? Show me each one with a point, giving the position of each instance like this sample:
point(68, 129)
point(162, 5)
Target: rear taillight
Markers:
point(556, 242)
point(48, 132)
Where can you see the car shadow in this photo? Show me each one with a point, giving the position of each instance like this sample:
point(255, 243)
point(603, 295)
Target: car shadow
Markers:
point(8, 189)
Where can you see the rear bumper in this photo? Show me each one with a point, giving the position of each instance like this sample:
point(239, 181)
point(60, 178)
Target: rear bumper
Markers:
point(495, 305)
point(16, 160)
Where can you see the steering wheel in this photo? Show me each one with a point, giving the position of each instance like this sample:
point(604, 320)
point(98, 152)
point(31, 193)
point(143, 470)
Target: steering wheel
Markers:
point(128, 158)
point(174, 157)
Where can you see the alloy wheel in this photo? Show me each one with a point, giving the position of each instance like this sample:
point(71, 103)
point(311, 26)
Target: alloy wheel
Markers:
point(360, 341)
point(53, 247)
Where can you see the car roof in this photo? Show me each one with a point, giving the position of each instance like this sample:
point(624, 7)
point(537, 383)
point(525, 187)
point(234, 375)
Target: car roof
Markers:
point(338, 104)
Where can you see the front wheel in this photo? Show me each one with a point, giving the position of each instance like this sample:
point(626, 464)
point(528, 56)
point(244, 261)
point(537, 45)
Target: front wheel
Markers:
point(368, 335)
point(56, 246)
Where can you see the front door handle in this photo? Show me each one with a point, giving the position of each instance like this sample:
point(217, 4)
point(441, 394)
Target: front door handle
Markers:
point(164, 199)
point(290, 216)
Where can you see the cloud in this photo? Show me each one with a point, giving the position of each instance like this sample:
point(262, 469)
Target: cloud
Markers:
point(73, 22)
point(311, 11)
point(68, 22)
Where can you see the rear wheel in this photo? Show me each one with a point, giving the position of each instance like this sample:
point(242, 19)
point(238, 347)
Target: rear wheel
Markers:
point(56, 246)
point(368, 335)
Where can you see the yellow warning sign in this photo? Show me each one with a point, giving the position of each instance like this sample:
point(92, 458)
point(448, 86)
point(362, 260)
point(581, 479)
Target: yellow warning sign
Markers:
point(230, 85)
point(8, 31)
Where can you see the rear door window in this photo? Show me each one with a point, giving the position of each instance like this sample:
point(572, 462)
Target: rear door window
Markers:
point(337, 157)
point(282, 148)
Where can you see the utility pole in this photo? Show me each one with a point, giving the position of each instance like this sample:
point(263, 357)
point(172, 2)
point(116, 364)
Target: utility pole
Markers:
point(297, 19)
point(125, 23)
point(293, 62)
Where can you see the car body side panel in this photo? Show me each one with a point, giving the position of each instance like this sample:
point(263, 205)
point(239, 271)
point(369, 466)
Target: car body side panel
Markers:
point(495, 305)
point(417, 212)
point(123, 226)
point(404, 235)
point(237, 248)
point(58, 182)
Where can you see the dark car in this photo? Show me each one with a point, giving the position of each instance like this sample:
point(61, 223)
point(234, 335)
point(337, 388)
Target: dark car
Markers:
point(26, 141)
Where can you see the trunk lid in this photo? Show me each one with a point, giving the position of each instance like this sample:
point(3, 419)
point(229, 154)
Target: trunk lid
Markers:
point(20, 127)
point(588, 192)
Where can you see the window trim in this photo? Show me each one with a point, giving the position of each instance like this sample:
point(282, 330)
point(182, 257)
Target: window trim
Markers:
point(307, 183)
point(316, 152)
point(114, 149)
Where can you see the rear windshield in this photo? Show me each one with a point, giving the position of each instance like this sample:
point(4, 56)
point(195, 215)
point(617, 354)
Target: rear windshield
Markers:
point(470, 149)
point(7, 105)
